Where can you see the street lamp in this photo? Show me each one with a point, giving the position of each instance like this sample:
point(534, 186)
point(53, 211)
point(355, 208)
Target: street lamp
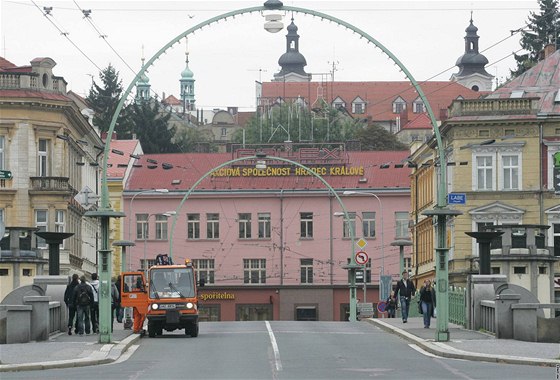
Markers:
point(401, 243)
point(146, 231)
point(382, 294)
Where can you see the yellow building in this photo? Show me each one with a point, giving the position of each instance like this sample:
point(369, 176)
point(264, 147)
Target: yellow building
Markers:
point(499, 151)
point(48, 144)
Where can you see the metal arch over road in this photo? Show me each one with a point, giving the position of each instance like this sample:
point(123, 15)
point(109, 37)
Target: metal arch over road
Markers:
point(105, 211)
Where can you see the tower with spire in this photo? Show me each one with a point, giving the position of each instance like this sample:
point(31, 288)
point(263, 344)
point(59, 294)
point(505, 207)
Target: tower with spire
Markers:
point(143, 84)
point(187, 83)
point(472, 73)
point(292, 62)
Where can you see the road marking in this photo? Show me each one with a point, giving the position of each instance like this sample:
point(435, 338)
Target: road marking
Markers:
point(277, 361)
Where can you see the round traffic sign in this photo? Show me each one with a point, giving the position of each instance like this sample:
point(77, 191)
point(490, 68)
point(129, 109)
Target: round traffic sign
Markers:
point(361, 258)
point(381, 306)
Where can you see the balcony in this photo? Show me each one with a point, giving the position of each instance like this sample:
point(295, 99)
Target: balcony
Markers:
point(53, 185)
point(488, 107)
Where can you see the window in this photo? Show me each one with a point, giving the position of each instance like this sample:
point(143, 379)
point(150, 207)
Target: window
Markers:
point(484, 173)
point(556, 237)
point(142, 227)
point(510, 171)
point(408, 264)
point(495, 270)
point(4, 271)
point(306, 313)
point(368, 221)
point(358, 108)
point(259, 312)
point(41, 222)
point(224, 132)
point(254, 271)
point(193, 226)
point(349, 223)
point(59, 221)
point(542, 270)
point(26, 272)
point(401, 224)
point(244, 226)
point(418, 106)
point(306, 269)
point(212, 226)
point(399, 105)
point(519, 270)
point(42, 157)
point(147, 263)
point(161, 227)
point(306, 225)
point(204, 269)
point(264, 225)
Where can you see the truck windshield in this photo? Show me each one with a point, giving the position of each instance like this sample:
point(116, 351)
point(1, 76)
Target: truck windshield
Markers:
point(171, 283)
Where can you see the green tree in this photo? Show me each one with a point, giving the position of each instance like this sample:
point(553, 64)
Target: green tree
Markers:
point(375, 137)
point(104, 99)
point(190, 139)
point(543, 28)
point(151, 124)
point(298, 124)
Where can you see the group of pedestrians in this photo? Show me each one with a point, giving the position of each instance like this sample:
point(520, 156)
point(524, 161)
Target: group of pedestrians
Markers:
point(403, 293)
point(82, 300)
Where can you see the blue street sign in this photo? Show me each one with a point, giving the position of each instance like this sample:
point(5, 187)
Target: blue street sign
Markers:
point(457, 198)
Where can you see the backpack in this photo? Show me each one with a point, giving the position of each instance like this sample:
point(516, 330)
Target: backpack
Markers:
point(83, 297)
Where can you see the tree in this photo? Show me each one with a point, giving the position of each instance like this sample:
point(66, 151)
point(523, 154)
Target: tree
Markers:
point(375, 137)
point(104, 100)
point(151, 124)
point(544, 28)
point(190, 139)
point(297, 124)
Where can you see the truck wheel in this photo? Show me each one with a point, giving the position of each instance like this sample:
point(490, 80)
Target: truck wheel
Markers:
point(151, 330)
point(194, 330)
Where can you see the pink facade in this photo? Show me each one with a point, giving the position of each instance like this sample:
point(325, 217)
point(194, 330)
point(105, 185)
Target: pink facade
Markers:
point(292, 249)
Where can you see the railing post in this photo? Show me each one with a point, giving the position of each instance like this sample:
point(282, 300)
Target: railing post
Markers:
point(504, 314)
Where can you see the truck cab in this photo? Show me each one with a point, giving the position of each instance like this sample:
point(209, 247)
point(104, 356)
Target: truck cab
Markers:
point(168, 297)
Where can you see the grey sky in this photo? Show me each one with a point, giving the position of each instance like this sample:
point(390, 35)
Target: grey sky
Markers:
point(426, 36)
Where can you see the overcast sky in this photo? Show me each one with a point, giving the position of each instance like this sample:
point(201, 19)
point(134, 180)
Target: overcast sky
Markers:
point(227, 58)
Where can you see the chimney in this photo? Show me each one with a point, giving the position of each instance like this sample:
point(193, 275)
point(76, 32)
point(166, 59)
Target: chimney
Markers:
point(548, 50)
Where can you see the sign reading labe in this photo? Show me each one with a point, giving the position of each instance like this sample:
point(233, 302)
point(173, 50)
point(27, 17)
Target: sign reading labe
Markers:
point(217, 296)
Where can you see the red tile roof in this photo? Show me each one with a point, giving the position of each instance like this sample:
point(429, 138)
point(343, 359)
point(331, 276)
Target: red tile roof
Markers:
point(422, 121)
point(190, 167)
point(33, 95)
point(379, 96)
point(171, 100)
point(127, 147)
point(5, 64)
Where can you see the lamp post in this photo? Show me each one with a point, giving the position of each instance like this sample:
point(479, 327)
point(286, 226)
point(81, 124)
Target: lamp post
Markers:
point(147, 230)
point(401, 243)
point(382, 292)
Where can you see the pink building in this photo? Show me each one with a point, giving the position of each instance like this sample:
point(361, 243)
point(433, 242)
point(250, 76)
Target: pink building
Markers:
point(268, 242)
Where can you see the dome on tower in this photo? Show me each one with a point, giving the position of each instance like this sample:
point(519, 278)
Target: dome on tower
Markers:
point(187, 73)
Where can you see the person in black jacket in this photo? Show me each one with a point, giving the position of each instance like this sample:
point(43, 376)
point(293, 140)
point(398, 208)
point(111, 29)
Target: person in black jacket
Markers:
point(83, 299)
point(427, 302)
point(404, 290)
point(69, 301)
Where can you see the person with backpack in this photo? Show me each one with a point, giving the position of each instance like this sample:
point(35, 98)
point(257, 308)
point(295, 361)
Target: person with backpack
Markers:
point(69, 301)
point(95, 305)
point(83, 299)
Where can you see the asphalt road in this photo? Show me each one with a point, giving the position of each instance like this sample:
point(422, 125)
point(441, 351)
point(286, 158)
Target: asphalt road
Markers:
point(286, 350)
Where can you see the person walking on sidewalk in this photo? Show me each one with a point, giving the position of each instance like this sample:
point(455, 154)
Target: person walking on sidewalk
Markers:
point(391, 305)
point(405, 291)
point(69, 301)
point(427, 302)
point(95, 305)
point(83, 298)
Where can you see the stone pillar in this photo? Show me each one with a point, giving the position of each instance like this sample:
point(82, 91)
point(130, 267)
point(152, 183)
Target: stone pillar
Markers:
point(18, 323)
point(40, 317)
point(504, 314)
point(482, 287)
point(525, 322)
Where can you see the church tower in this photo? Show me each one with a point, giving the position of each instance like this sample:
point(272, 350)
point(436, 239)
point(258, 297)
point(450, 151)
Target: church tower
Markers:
point(187, 83)
point(292, 62)
point(143, 84)
point(472, 73)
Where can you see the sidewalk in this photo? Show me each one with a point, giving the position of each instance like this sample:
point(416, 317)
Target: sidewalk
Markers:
point(472, 345)
point(63, 351)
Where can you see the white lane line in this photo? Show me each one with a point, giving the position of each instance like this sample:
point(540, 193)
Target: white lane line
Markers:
point(277, 361)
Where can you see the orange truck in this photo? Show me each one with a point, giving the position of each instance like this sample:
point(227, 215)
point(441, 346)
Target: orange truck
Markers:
point(168, 299)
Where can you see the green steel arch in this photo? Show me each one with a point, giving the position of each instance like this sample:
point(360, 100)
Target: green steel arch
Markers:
point(442, 191)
